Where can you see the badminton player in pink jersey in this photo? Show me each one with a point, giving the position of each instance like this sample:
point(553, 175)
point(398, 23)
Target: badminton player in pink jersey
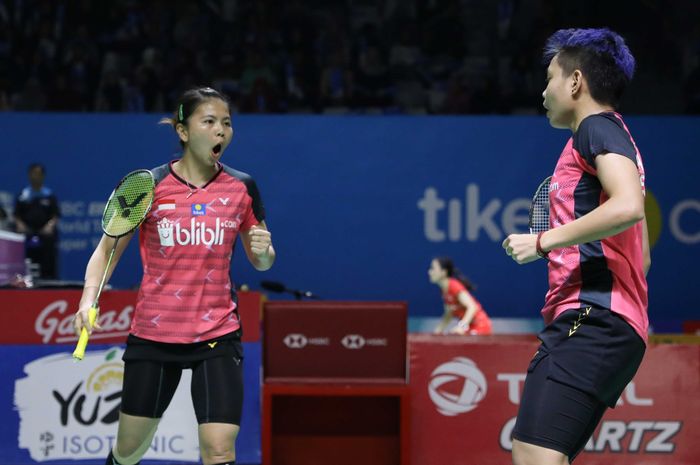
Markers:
point(458, 301)
point(597, 249)
point(186, 315)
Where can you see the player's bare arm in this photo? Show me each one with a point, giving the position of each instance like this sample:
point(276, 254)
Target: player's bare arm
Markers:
point(444, 321)
point(646, 251)
point(468, 302)
point(93, 274)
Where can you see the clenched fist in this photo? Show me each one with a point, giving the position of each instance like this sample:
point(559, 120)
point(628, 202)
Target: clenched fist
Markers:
point(260, 241)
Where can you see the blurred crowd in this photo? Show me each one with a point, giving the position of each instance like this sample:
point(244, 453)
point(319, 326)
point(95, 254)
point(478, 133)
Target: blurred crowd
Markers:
point(329, 56)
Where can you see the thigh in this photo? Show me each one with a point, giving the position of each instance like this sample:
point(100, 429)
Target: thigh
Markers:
point(148, 387)
point(555, 415)
point(217, 390)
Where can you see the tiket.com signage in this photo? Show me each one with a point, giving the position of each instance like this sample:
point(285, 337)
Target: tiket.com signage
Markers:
point(71, 413)
point(473, 401)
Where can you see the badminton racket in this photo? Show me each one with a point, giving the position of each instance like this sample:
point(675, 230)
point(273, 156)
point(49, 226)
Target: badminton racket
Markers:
point(126, 209)
point(538, 219)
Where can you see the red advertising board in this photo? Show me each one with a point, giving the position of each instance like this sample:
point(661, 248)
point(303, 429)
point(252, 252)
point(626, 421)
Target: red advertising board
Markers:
point(43, 316)
point(337, 341)
point(691, 327)
point(465, 394)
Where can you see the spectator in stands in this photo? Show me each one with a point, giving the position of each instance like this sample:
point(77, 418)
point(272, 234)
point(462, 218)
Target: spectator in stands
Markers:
point(458, 301)
point(337, 81)
point(36, 215)
point(420, 45)
point(4, 220)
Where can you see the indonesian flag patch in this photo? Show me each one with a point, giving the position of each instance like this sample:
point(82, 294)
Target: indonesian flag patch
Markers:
point(166, 204)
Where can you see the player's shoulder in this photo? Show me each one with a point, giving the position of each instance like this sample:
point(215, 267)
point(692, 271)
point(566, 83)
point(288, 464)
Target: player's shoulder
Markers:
point(455, 285)
point(160, 172)
point(601, 122)
point(242, 177)
point(237, 174)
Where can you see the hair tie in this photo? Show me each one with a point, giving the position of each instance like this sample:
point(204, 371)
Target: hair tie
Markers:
point(179, 114)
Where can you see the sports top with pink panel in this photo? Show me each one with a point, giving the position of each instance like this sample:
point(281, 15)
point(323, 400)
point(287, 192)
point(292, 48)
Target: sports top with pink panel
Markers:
point(607, 273)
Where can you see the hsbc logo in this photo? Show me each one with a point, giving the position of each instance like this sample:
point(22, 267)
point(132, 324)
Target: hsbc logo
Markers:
point(295, 341)
point(353, 341)
point(457, 386)
point(299, 341)
point(357, 341)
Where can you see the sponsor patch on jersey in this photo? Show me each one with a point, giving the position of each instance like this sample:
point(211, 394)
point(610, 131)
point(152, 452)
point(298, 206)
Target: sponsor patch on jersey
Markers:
point(199, 209)
point(166, 204)
point(165, 232)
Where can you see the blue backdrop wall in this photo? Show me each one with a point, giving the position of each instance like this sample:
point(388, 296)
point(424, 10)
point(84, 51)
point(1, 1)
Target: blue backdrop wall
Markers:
point(359, 205)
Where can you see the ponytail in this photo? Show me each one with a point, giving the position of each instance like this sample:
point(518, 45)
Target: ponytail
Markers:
point(454, 272)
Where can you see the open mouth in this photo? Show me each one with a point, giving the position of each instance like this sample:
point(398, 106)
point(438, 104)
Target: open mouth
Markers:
point(216, 151)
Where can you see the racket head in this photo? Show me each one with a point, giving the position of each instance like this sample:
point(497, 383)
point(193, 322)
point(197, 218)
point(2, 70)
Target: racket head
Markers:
point(129, 203)
point(538, 219)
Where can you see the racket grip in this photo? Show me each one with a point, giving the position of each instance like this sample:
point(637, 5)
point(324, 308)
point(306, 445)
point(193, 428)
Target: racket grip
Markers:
point(79, 351)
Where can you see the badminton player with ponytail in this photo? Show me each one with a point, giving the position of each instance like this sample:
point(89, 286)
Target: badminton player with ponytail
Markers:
point(458, 301)
point(596, 249)
point(186, 316)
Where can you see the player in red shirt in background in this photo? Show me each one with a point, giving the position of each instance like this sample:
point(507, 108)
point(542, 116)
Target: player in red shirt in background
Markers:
point(186, 314)
point(459, 303)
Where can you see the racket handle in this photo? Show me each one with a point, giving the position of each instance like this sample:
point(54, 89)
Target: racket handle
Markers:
point(79, 351)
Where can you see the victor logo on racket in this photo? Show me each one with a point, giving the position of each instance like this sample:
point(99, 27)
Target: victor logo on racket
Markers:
point(126, 207)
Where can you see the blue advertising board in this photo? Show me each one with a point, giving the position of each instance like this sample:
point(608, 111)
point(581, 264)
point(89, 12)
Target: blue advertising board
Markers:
point(358, 206)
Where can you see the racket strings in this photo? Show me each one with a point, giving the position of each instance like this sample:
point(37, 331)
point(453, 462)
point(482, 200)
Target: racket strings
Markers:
point(129, 204)
point(539, 210)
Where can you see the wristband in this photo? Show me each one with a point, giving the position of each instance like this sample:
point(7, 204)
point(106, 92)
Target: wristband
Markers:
point(541, 253)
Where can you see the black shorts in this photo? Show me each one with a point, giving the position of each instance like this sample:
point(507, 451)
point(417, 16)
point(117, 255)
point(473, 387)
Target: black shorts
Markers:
point(586, 359)
point(152, 372)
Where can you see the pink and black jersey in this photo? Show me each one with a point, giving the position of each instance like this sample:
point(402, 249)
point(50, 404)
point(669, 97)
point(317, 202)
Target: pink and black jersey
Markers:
point(608, 273)
point(186, 244)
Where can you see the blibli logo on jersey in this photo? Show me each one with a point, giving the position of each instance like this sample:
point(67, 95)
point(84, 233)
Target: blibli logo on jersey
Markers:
point(199, 209)
point(165, 232)
point(196, 234)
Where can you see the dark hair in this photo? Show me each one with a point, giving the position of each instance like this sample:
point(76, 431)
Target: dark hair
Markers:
point(453, 272)
point(188, 103)
point(36, 165)
point(602, 56)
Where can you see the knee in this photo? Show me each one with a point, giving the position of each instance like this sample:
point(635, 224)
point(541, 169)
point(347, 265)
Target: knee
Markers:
point(129, 448)
point(217, 451)
point(126, 447)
